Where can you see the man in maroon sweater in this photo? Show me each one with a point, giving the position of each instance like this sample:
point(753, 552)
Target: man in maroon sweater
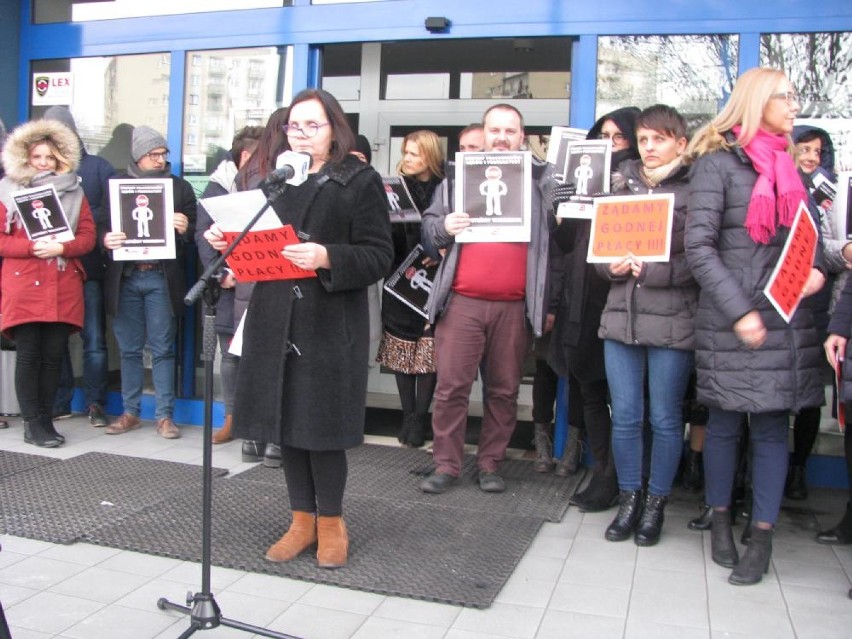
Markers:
point(487, 302)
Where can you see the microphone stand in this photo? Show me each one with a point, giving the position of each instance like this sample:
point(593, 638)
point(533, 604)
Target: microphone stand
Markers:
point(201, 607)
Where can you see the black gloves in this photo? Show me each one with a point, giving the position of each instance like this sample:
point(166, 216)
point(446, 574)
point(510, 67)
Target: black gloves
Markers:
point(561, 193)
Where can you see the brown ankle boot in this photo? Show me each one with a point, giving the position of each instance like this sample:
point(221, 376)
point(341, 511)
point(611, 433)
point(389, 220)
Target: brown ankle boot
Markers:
point(301, 536)
point(223, 435)
point(333, 542)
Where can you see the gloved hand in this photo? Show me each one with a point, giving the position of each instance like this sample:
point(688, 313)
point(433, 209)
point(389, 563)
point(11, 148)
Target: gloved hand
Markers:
point(561, 193)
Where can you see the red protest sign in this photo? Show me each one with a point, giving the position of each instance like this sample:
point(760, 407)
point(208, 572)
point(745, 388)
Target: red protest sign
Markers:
point(258, 257)
point(787, 282)
point(637, 224)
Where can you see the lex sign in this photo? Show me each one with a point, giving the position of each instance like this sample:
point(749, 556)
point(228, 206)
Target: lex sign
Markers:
point(52, 88)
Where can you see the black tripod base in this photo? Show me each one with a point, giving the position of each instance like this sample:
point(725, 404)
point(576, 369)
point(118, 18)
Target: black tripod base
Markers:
point(205, 615)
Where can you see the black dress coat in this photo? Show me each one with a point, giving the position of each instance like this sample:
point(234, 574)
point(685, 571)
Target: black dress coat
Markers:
point(303, 373)
point(732, 271)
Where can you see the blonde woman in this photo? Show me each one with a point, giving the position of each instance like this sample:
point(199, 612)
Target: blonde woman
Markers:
point(744, 193)
point(42, 280)
point(407, 347)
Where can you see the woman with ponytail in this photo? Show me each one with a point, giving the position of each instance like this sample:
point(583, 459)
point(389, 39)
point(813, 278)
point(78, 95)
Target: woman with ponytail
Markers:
point(744, 194)
point(42, 280)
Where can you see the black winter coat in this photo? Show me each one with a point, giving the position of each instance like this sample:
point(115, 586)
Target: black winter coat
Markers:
point(303, 373)
point(841, 324)
point(732, 271)
point(186, 203)
point(658, 307)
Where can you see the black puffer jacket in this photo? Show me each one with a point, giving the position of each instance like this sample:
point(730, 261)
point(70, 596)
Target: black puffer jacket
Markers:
point(658, 307)
point(732, 271)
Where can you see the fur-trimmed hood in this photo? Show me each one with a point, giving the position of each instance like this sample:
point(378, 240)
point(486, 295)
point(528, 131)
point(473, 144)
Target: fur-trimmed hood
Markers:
point(16, 150)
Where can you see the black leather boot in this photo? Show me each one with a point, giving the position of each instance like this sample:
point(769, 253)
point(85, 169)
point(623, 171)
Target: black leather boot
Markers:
point(252, 451)
point(272, 456)
point(693, 471)
point(723, 549)
point(651, 521)
point(841, 534)
point(755, 562)
point(796, 488)
point(416, 436)
point(629, 509)
point(402, 435)
point(46, 419)
point(704, 521)
point(543, 448)
point(34, 433)
point(602, 491)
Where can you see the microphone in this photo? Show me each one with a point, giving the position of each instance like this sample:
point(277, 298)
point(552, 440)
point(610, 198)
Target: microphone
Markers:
point(291, 167)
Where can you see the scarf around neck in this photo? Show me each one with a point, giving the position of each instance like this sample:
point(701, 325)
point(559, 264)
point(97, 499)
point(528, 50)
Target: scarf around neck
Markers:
point(778, 189)
point(653, 177)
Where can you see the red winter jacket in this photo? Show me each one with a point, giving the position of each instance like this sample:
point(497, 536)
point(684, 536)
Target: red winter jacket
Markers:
point(34, 289)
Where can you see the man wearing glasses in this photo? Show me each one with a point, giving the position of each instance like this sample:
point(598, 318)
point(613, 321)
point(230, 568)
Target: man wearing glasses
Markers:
point(146, 297)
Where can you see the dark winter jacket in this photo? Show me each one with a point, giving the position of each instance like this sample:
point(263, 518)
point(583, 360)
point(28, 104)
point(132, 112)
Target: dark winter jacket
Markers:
point(732, 271)
point(221, 183)
point(303, 371)
point(658, 307)
point(185, 202)
point(841, 324)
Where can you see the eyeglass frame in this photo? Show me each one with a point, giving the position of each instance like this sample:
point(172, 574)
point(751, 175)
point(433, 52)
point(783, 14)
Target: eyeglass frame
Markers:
point(615, 137)
point(157, 156)
point(788, 96)
point(291, 129)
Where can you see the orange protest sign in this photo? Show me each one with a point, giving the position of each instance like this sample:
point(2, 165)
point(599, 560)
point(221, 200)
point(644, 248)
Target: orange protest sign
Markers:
point(787, 282)
point(258, 257)
point(638, 224)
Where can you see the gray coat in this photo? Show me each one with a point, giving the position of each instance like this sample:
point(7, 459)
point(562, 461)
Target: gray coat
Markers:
point(303, 370)
point(658, 307)
point(732, 270)
point(436, 236)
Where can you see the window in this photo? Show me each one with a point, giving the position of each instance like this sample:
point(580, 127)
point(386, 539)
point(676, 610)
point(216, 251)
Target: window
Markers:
point(46, 11)
point(694, 74)
point(818, 65)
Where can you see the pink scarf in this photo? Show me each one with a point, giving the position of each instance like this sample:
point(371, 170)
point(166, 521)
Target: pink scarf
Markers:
point(778, 187)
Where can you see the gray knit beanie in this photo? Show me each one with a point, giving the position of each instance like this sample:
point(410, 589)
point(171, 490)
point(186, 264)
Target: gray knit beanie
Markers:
point(145, 139)
point(61, 114)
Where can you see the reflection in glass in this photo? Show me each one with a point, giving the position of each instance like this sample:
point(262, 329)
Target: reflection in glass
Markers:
point(111, 96)
point(237, 88)
point(46, 11)
point(693, 73)
point(819, 66)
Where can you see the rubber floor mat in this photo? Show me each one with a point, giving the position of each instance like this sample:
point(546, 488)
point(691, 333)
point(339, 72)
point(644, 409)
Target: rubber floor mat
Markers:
point(59, 502)
point(431, 552)
point(396, 473)
point(12, 463)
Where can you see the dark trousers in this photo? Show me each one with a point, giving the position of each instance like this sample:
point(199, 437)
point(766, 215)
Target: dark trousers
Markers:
point(316, 479)
point(468, 331)
point(545, 386)
point(768, 442)
point(40, 348)
point(588, 410)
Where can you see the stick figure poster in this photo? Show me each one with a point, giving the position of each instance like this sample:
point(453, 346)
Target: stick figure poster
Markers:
point(587, 167)
point(495, 189)
point(401, 207)
point(411, 283)
point(42, 214)
point(557, 149)
point(143, 210)
point(787, 282)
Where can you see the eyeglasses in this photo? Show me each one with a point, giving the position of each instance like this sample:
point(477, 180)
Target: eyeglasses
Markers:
point(618, 138)
point(788, 96)
point(309, 130)
point(157, 156)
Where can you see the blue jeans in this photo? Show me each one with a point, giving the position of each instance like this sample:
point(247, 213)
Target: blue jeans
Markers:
point(144, 311)
point(94, 353)
point(768, 440)
point(668, 374)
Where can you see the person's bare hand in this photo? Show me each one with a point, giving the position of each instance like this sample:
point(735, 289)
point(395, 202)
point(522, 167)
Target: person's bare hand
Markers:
point(114, 239)
point(835, 349)
point(215, 238)
point(750, 330)
point(816, 280)
point(620, 267)
point(456, 222)
point(181, 223)
point(307, 255)
point(46, 249)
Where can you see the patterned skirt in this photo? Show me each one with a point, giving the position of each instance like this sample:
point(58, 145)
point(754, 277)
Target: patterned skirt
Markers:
point(412, 357)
